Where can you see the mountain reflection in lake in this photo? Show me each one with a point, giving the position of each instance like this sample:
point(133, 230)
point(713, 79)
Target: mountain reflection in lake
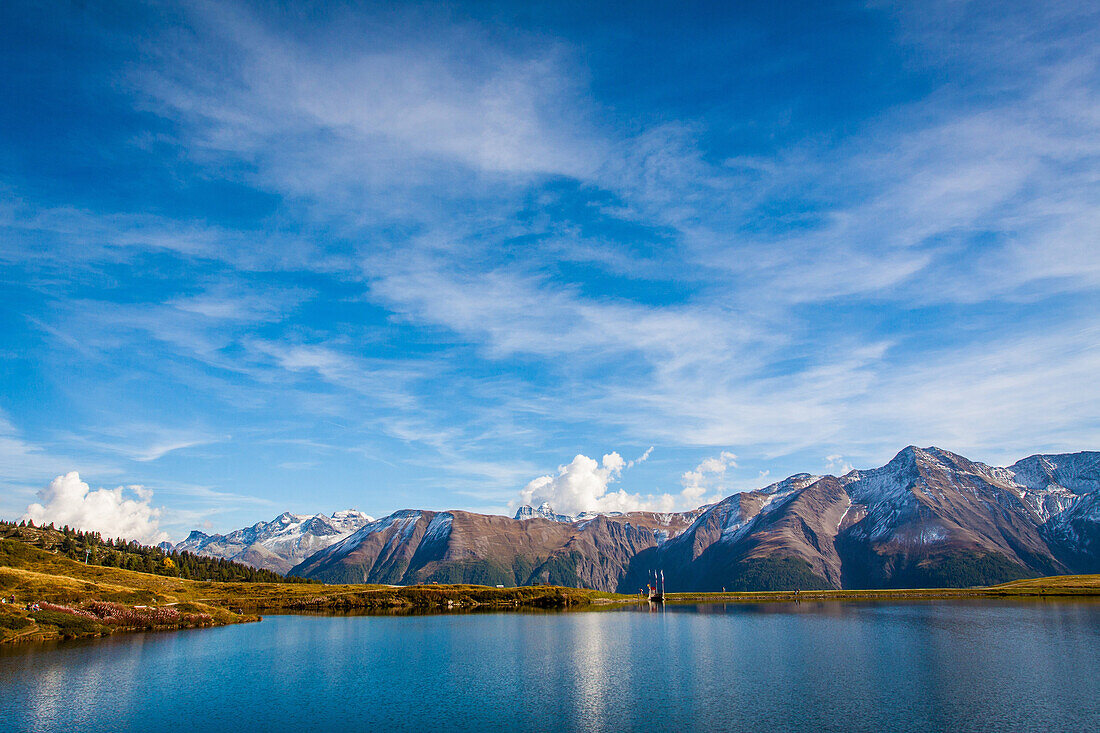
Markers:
point(814, 666)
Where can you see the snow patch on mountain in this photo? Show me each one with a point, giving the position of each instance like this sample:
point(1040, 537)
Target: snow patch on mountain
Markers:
point(439, 529)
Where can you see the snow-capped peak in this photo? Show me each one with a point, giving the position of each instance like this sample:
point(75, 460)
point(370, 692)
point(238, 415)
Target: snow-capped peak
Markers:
point(279, 544)
point(545, 511)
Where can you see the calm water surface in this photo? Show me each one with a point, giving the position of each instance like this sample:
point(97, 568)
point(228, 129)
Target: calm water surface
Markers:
point(813, 667)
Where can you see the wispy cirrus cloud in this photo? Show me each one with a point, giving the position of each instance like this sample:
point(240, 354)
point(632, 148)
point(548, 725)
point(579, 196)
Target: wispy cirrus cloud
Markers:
point(143, 442)
point(394, 101)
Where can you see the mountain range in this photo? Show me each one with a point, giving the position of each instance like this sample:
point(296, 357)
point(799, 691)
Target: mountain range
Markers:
point(927, 518)
point(280, 544)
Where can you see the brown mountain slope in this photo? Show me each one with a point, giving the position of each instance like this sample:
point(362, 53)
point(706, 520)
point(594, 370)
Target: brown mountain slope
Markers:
point(413, 546)
point(783, 533)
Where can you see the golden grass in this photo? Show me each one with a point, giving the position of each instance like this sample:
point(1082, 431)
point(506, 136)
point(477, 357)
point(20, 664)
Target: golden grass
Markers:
point(1050, 587)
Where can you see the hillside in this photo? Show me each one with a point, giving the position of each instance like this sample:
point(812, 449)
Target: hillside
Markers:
point(49, 596)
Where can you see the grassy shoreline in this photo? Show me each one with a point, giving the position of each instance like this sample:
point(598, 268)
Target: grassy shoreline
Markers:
point(1060, 586)
point(90, 600)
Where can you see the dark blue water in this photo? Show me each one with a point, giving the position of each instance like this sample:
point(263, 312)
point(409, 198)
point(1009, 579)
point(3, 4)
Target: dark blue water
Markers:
point(813, 667)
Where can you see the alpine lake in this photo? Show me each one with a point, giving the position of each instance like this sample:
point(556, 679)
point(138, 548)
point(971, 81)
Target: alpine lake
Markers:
point(812, 666)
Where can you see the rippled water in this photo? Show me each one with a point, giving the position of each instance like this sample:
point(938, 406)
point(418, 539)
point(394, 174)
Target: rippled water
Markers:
point(812, 667)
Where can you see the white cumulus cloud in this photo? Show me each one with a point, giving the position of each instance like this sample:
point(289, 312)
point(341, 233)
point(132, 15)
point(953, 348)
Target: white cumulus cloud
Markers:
point(583, 485)
point(124, 512)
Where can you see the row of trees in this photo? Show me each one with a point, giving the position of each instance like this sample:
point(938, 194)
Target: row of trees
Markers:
point(117, 552)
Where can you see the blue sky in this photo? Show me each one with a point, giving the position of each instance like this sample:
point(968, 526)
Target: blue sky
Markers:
point(332, 255)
